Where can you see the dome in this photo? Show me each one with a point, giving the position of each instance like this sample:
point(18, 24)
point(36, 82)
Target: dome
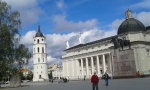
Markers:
point(39, 34)
point(130, 25)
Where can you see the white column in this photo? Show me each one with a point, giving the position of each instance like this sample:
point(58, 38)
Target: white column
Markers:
point(67, 69)
point(98, 69)
point(104, 64)
point(110, 63)
point(73, 68)
point(92, 66)
point(64, 73)
point(82, 66)
point(77, 68)
point(87, 67)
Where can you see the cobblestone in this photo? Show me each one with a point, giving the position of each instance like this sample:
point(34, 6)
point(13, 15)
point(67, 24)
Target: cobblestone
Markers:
point(114, 84)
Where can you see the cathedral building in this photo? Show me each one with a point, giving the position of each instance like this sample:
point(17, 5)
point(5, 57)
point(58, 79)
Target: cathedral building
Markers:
point(122, 55)
point(39, 57)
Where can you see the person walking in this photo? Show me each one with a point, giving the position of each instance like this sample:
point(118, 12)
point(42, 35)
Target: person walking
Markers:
point(94, 81)
point(106, 77)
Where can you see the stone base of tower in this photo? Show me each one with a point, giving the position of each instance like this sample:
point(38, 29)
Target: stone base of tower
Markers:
point(38, 80)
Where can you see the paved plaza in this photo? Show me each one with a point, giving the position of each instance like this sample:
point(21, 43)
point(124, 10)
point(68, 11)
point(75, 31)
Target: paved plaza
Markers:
point(114, 84)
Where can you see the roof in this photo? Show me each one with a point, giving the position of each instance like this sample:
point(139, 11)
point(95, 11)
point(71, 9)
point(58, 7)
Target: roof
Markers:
point(148, 28)
point(90, 43)
point(131, 25)
point(39, 34)
point(24, 70)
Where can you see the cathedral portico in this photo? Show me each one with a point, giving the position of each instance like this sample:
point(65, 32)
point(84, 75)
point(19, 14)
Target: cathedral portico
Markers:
point(86, 65)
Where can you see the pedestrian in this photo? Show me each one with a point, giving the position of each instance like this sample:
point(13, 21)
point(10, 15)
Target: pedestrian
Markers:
point(94, 81)
point(84, 77)
point(52, 80)
point(106, 77)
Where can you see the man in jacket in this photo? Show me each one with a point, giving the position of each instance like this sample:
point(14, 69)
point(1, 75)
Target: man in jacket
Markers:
point(94, 81)
point(106, 77)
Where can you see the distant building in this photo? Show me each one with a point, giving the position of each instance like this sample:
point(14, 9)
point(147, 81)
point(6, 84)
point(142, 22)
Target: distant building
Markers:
point(25, 71)
point(40, 57)
point(55, 71)
point(51, 68)
point(122, 55)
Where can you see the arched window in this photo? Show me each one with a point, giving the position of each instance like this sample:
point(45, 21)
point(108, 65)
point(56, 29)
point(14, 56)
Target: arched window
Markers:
point(38, 59)
point(42, 49)
point(38, 50)
point(38, 41)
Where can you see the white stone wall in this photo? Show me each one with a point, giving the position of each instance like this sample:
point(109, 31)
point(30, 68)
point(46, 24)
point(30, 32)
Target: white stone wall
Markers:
point(40, 59)
point(142, 58)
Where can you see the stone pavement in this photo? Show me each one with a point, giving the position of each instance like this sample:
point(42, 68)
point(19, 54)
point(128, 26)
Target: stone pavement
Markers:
point(114, 84)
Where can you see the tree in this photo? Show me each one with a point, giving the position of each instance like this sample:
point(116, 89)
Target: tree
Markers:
point(12, 54)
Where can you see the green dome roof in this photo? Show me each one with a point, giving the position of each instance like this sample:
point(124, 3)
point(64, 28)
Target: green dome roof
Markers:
point(130, 24)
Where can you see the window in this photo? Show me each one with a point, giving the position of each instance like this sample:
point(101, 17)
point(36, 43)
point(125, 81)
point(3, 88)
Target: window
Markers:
point(42, 39)
point(100, 62)
point(34, 50)
point(89, 63)
point(41, 66)
point(38, 50)
point(94, 62)
point(38, 59)
point(106, 61)
point(42, 49)
point(38, 41)
point(43, 59)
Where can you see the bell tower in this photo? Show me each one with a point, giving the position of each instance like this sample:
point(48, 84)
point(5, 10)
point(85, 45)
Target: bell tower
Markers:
point(39, 57)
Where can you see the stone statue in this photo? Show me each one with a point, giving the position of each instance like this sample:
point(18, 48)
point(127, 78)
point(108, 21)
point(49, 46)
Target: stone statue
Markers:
point(80, 38)
point(67, 45)
point(116, 43)
point(119, 43)
point(128, 14)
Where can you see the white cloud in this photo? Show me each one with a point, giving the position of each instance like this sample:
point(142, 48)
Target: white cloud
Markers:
point(142, 4)
point(56, 43)
point(60, 4)
point(28, 9)
point(115, 24)
point(63, 25)
point(143, 17)
point(27, 38)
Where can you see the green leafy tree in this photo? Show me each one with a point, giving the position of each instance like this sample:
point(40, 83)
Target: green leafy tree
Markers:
point(12, 54)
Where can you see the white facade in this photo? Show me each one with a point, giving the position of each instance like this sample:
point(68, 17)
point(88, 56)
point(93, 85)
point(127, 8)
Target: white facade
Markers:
point(98, 56)
point(40, 58)
point(57, 73)
point(83, 62)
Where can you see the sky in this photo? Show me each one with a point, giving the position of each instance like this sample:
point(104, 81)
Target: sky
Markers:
point(63, 20)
